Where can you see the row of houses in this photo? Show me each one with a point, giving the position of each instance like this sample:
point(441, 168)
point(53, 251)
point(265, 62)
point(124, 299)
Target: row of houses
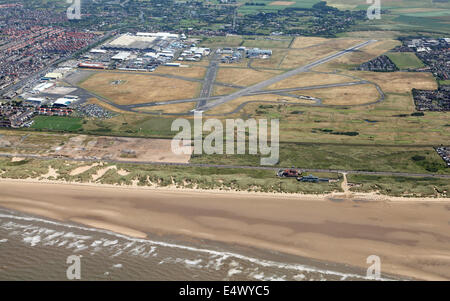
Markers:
point(55, 111)
point(15, 116)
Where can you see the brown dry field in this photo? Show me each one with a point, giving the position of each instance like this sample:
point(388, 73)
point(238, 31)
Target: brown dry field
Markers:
point(302, 42)
point(360, 56)
point(241, 64)
point(417, 9)
point(374, 34)
point(310, 79)
point(316, 48)
point(106, 106)
point(171, 108)
point(243, 77)
point(398, 82)
point(285, 3)
point(222, 90)
point(351, 95)
point(191, 71)
point(8, 139)
point(298, 57)
point(411, 236)
point(231, 105)
point(272, 62)
point(17, 142)
point(203, 63)
point(140, 88)
point(104, 147)
point(90, 147)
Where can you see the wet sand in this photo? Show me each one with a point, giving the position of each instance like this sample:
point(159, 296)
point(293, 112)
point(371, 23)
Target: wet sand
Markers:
point(411, 236)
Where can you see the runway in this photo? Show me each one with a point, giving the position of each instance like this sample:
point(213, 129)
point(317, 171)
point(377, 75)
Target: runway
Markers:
point(273, 80)
point(206, 102)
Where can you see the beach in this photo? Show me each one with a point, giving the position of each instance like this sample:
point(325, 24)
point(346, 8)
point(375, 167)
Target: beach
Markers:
point(411, 236)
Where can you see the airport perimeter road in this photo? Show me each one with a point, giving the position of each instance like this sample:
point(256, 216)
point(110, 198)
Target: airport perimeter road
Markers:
point(359, 172)
point(273, 80)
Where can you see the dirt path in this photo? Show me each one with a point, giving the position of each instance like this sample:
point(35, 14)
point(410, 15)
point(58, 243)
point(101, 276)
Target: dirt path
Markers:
point(344, 184)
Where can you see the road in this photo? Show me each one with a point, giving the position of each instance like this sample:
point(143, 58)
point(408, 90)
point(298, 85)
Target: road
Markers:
point(283, 76)
point(359, 172)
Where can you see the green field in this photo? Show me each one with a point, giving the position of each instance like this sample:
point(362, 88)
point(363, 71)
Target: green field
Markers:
point(265, 42)
point(265, 5)
point(228, 41)
point(131, 125)
point(57, 123)
point(344, 157)
point(405, 60)
point(406, 16)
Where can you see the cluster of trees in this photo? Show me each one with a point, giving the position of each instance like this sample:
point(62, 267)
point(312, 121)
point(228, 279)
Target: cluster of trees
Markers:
point(255, 3)
point(170, 15)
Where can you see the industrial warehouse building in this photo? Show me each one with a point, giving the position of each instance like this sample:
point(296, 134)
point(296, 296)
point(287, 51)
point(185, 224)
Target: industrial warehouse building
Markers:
point(131, 42)
point(142, 41)
point(63, 102)
point(42, 86)
point(256, 52)
point(34, 101)
point(121, 56)
point(52, 76)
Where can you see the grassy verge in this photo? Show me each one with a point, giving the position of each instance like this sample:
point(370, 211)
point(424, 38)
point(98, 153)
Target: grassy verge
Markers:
point(400, 186)
point(344, 157)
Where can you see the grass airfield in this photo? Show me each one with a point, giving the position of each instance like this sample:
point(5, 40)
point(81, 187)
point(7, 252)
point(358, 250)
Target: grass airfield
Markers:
point(169, 83)
point(343, 108)
point(350, 130)
point(139, 88)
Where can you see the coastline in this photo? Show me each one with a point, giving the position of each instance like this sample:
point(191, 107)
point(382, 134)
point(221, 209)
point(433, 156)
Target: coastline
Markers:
point(369, 196)
point(301, 225)
point(214, 259)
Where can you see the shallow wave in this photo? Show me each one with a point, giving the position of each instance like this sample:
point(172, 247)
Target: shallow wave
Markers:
point(33, 235)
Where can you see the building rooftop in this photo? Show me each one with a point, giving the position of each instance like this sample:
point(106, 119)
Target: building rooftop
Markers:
point(127, 41)
point(123, 55)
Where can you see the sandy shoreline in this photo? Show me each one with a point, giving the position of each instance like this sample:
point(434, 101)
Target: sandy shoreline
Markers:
point(363, 196)
point(411, 236)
